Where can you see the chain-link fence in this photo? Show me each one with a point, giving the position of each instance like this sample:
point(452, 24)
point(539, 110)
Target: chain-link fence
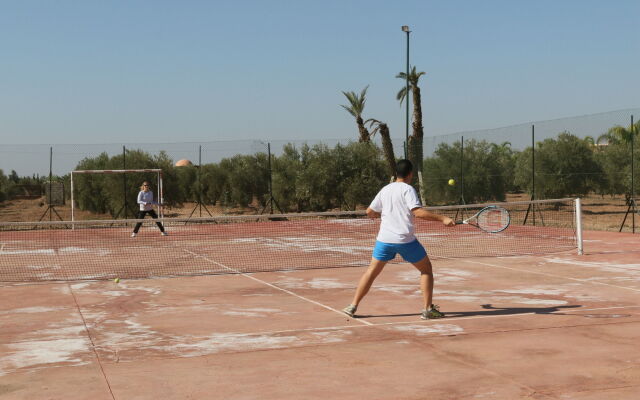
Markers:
point(595, 157)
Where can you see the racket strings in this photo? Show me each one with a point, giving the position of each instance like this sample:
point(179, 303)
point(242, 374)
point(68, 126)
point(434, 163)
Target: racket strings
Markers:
point(493, 219)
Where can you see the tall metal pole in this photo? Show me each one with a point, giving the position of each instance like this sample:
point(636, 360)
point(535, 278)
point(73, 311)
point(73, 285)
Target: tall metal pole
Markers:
point(405, 29)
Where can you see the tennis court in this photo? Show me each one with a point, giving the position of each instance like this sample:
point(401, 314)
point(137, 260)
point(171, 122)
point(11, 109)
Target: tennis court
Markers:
point(213, 322)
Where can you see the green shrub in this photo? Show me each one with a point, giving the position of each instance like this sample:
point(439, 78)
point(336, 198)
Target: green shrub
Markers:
point(565, 167)
point(486, 170)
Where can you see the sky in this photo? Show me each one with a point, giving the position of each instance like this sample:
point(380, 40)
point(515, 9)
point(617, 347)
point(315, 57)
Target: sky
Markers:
point(84, 72)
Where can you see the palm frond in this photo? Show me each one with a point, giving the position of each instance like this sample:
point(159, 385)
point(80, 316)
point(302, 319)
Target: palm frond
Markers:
point(374, 125)
point(413, 79)
point(371, 121)
point(357, 102)
point(402, 93)
point(349, 110)
point(363, 93)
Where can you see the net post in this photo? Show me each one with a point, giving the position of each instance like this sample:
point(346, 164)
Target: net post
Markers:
point(578, 205)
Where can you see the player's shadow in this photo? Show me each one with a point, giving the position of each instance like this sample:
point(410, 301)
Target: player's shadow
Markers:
point(490, 311)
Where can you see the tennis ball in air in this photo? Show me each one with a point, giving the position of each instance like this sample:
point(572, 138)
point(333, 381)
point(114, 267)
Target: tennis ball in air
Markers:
point(116, 280)
point(452, 182)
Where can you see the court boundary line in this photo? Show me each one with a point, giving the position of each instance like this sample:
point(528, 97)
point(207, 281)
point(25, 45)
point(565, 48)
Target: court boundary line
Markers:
point(274, 286)
point(544, 273)
point(93, 345)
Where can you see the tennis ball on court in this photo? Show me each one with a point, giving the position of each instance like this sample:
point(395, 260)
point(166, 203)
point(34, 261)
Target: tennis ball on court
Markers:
point(116, 280)
point(452, 182)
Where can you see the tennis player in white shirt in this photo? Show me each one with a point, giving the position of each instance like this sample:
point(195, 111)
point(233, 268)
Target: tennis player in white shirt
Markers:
point(398, 204)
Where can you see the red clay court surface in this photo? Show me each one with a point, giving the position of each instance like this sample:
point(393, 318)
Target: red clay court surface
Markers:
point(557, 326)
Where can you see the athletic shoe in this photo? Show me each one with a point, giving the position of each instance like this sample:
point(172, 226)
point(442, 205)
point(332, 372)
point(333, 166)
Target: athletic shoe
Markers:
point(432, 313)
point(164, 233)
point(350, 310)
point(134, 234)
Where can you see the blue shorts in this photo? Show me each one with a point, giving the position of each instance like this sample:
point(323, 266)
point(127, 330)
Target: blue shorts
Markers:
point(411, 252)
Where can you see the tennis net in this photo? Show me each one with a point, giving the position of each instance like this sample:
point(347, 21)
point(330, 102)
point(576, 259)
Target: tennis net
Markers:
point(87, 250)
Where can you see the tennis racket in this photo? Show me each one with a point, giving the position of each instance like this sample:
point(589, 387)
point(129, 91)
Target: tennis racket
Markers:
point(492, 219)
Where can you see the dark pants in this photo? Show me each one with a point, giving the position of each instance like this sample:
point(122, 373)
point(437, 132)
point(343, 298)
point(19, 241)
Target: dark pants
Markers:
point(142, 214)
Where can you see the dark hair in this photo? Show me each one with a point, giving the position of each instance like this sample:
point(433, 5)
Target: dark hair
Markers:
point(404, 168)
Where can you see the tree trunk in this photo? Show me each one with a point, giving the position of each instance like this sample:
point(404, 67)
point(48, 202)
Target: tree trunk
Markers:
point(414, 150)
point(418, 130)
point(416, 156)
point(364, 133)
point(416, 145)
point(387, 148)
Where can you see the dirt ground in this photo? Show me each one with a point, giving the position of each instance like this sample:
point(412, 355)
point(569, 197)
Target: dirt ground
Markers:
point(599, 213)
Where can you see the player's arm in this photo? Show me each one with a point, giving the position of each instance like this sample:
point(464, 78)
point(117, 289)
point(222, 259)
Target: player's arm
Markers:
point(372, 214)
point(422, 213)
point(140, 201)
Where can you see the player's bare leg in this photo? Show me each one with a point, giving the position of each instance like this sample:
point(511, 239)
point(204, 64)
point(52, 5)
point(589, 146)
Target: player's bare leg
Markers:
point(370, 275)
point(375, 267)
point(426, 280)
point(426, 285)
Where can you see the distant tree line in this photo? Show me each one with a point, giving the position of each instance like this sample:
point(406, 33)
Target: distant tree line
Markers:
point(319, 178)
point(305, 178)
point(12, 185)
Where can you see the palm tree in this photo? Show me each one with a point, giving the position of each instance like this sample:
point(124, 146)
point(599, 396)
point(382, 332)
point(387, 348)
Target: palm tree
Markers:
point(414, 146)
point(619, 134)
point(355, 108)
point(387, 147)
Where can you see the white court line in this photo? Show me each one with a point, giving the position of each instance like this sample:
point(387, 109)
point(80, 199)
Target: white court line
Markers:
point(275, 287)
point(543, 273)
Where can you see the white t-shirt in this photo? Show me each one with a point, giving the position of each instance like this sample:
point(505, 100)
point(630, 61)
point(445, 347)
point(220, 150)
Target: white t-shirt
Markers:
point(394, 202)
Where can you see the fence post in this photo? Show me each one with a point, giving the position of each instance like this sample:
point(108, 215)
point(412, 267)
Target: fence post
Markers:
point(462, 170)
point(533, 170)
point(124, 180)
point(50, 179)
point(532, 208)
point(199, 181)
point(633, 201)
